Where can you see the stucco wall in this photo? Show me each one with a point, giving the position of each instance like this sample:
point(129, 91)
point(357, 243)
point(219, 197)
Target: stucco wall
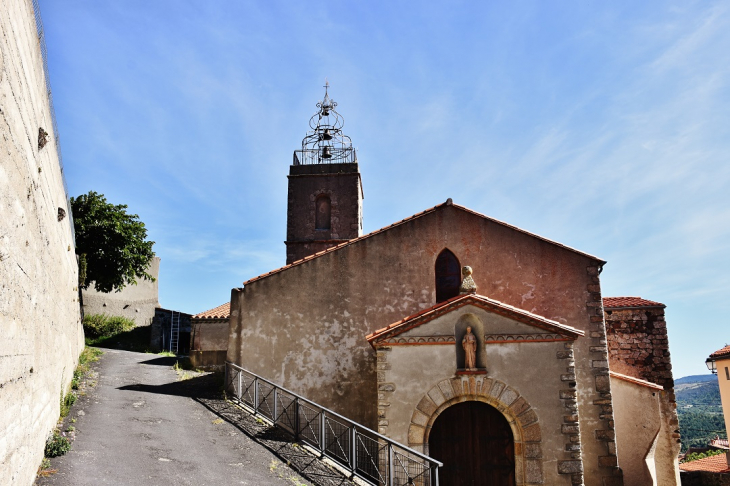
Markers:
point(412, 391)
point(208, 342)
point(39, 309)
point(136, 302)
point(305, 327)
point(638, 420)
point(723, 378)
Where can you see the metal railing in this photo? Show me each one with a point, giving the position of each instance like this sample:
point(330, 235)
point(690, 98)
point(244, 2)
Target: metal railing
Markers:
point(366, 454)
point(345, 155)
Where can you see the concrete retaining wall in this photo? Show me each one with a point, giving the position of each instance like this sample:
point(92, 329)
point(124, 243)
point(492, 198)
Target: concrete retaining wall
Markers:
point(39, 308)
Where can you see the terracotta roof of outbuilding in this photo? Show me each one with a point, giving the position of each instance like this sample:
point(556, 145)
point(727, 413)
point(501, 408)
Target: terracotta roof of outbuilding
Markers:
point(636, 381)
point(721, 353)
point(716, 464)
point(411, 218)
point(479, 300)
point(628, 302)
point(220, 312)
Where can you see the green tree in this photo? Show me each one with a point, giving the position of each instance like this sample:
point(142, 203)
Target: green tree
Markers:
point(112, 244)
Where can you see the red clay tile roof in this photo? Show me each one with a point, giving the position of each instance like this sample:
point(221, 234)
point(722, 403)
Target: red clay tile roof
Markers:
point(721, 353)
point(411, 218)
point(716, 464)
point(636, 381)
point(220, 312)
point(486, 303)
point(628, 302)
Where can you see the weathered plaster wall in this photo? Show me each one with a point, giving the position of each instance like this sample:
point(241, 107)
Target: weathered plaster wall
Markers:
point(638, 346)
point(208, 342)
point(637, 412)
point(526, 381)
point(342, 184)
point(136, 302)
point(39, 309)
point(305, 327)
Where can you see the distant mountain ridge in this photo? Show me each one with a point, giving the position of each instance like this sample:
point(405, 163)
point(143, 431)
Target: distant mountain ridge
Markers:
point(695, 379)
point(699, 409)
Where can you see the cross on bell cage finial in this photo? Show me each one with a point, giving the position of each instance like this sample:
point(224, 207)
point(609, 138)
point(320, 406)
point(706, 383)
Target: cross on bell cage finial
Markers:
point(325, 143)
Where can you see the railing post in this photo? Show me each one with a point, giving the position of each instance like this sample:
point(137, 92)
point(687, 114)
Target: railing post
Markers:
point(256, 394)
point(353, 449)
point(391, 466)
point(296, 419)
point(239, 393)
point(435, 470)
point(322, 441)
point(275, 405)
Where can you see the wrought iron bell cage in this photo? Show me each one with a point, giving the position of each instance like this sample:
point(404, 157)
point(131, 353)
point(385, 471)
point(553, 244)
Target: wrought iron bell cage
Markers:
point(325, 143)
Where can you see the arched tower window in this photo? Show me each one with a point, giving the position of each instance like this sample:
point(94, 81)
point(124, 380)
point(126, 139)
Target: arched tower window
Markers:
point(448, 276)
point(323, 213)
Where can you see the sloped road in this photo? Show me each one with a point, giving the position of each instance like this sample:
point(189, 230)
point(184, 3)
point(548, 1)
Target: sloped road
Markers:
point(142, 425)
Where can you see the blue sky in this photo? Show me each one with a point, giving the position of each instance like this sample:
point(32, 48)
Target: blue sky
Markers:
point(602, 125)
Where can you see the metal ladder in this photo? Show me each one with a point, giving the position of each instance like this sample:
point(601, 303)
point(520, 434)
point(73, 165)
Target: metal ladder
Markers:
point(174, 332)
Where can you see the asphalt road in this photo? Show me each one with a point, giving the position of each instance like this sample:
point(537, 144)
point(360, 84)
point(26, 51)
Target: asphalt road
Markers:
point(142, 425)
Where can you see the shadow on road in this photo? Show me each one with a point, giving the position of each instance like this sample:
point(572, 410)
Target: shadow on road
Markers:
point(206, 389)
point(161, 361)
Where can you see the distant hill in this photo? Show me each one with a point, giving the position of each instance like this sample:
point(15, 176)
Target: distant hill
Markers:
point(699, 409)
point(696, 379)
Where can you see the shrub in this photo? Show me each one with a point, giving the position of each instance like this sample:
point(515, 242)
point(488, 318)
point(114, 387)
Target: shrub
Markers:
point(701, 455)
point(103, 326)
point(67, 403)
point(57, 445)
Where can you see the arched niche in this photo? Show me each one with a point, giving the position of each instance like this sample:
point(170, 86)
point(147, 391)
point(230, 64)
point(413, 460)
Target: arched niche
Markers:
point(448, 275)
point(323, 213)
point(477, 328)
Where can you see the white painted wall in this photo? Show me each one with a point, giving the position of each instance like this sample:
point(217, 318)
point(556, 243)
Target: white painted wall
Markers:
point(39, 310)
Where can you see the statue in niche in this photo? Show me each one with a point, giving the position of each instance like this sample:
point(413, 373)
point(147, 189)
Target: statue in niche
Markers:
point(469, 343)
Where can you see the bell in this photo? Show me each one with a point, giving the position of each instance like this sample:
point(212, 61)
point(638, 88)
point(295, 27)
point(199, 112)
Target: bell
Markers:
point(327, 135)
point(325, 111)
point(326, 154)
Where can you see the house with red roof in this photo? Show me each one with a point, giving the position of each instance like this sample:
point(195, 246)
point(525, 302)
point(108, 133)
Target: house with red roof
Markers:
point(486, 346)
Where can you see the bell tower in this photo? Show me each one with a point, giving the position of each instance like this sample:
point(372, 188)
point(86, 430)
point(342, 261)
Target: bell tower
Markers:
point(325, 189)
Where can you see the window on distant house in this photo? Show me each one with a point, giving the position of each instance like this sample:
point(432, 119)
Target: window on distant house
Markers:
point(727, 373)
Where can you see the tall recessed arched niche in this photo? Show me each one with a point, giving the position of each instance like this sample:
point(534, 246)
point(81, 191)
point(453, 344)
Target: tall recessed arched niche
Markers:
point(448, 275)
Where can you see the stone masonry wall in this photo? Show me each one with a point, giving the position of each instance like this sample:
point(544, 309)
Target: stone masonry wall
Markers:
point(341, 183)
point(638, 346)
point(39, 308)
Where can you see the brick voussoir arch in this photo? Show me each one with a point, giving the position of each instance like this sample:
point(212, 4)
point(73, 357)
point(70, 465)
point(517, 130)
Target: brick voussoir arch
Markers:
point(521, 417)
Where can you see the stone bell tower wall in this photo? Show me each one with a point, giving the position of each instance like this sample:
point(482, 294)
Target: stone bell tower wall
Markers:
point(341, 183)
point(39, 308)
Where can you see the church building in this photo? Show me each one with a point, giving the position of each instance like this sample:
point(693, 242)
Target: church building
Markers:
point(463, 337)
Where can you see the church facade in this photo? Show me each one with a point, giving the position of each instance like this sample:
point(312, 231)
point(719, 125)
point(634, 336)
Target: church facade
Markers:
point(500, 370)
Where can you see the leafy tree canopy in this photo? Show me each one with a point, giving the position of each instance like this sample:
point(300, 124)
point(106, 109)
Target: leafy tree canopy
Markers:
point(112, 244)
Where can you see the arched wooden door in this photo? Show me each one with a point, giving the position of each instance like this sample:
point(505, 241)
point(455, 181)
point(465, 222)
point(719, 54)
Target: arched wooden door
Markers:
point(475, 443)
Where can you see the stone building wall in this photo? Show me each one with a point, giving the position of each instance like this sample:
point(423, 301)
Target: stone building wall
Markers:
point(39, 308)
point(342, 185)
point(137, 302)
point(305, 326)
point(638, 346)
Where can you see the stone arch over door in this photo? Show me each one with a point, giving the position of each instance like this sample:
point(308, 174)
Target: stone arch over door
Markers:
point(522, 419)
